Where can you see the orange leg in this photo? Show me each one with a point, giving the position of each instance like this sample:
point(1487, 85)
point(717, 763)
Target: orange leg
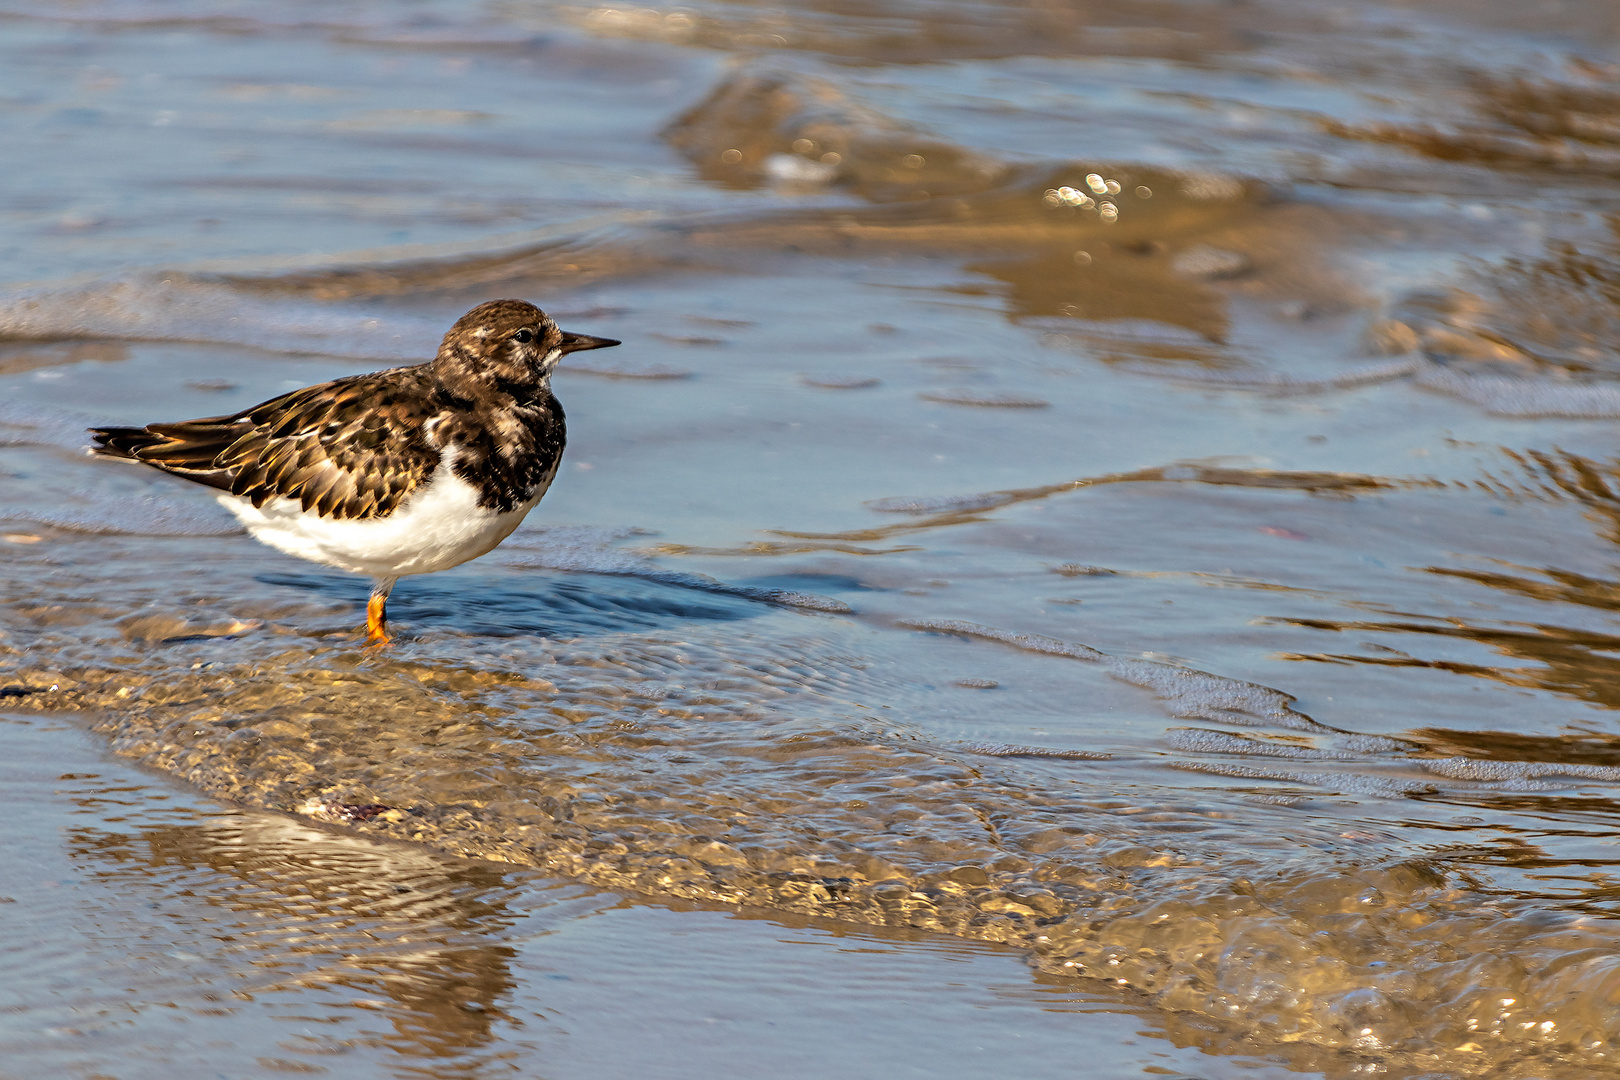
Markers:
point(377, 614)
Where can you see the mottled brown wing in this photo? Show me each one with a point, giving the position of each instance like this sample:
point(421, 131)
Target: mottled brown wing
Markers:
point(349, 449)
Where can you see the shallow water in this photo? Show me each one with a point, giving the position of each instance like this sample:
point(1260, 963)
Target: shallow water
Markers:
point(211, 940)
point(1130, 484)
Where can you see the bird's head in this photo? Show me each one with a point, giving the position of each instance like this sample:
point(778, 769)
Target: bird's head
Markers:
point(506, 346)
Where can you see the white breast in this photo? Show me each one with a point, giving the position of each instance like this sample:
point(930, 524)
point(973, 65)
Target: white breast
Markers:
point(439, 526)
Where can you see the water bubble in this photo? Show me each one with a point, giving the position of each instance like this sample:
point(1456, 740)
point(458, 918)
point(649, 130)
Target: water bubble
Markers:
point(731, 157)
point(831, 158)
point(803, 146)
point(1108, 212)
point(1096, 183)
point(1112, 186)
point(1082, 258)
point(1144, 192)
point(914, 161)
point(1069, 196)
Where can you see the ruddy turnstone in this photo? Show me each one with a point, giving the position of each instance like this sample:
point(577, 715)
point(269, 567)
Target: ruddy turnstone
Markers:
point(399, 472)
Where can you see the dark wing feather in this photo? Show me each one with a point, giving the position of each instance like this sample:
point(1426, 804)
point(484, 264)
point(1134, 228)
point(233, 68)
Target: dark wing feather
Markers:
point(353, 448)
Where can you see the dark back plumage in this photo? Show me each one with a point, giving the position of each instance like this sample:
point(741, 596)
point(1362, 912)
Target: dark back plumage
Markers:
point(356, 448)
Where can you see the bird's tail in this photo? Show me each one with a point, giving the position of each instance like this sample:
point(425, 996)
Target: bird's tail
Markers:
point(123, 442)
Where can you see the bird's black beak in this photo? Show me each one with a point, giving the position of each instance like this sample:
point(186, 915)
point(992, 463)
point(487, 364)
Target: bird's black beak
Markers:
point(581, 342)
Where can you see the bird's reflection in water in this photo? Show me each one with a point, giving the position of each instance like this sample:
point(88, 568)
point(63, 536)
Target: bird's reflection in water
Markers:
point(347, 930)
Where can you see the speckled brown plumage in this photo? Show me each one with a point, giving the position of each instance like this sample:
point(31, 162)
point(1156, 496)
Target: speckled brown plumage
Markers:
point(356, 448)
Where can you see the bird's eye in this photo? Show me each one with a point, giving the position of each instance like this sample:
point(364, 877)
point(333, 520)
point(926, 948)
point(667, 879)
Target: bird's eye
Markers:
point(523, 337)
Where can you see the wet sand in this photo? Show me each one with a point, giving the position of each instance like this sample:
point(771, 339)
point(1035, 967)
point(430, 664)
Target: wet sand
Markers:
point(1127, 492)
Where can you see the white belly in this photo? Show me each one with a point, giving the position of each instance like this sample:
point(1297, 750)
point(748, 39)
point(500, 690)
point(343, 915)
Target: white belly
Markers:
point(441, 525)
